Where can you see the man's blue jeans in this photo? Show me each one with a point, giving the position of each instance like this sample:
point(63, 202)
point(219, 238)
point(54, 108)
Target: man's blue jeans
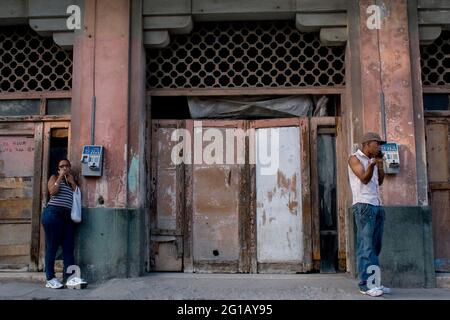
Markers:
point(369, 222)
point(59, 231)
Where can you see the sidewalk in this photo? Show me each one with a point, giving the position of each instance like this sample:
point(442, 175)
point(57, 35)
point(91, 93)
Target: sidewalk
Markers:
point(181, 286)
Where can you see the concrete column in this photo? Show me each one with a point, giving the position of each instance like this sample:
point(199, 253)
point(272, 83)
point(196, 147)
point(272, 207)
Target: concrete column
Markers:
point(386, 68)
point(101, 69)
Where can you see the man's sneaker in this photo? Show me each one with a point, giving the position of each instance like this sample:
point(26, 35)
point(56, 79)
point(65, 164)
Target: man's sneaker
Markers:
point(76, 283)
point(385, 290)
point(374, 292)
point(54, 284)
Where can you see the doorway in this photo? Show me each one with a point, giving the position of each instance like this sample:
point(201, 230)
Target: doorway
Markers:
point(228, 217)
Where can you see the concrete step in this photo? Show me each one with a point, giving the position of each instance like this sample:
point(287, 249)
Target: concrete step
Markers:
point(443, 280)
point(25, 276)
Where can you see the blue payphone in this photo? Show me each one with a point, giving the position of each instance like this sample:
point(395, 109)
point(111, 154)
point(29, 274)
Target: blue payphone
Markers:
point(92, 160)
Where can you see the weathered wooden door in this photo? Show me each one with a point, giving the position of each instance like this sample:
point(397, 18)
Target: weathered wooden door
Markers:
point(166, 200)
point(438, 160)
point(216, 205)
point(20, 168)
point(283, 215)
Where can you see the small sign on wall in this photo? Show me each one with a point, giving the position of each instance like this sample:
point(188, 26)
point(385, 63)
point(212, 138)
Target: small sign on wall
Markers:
point(16, 156)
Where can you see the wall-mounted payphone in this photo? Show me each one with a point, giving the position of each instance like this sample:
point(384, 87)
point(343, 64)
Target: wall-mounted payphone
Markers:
point(391, 158)
point(92, 161)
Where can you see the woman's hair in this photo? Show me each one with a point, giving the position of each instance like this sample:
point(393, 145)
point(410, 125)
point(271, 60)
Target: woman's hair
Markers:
point(63, 159)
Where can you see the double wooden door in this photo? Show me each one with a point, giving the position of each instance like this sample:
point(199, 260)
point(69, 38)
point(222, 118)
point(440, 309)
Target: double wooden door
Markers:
point(239, 201)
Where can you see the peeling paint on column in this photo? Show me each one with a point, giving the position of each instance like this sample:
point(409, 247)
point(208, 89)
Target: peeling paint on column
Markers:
point(133, 174)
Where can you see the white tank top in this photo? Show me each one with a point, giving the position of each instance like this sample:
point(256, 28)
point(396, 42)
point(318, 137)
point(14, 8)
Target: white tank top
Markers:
point(364, 193)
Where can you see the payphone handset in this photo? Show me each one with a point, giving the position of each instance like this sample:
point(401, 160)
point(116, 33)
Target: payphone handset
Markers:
point(391, 158)
point(92, 160)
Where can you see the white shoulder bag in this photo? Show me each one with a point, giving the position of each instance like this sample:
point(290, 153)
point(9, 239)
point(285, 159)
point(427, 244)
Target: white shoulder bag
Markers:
point(76, 206)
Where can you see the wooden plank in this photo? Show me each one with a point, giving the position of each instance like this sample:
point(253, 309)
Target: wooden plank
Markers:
point(437, 151)
point(438, 116)
point(246, 91)
point(283, 268)
point(23, 189)
point(315, 223)
point(36, 207)
point(16, 208)
point(31, 119)
point(36, 95)
point(14, 250)
point(306, 193)
point(440, 185)
point(15, 183)
point(12, 234)
point(216, 266)
point(343, 192)
point(440, 206)
point(245, 218)
point(437, 89)
point(188, 218)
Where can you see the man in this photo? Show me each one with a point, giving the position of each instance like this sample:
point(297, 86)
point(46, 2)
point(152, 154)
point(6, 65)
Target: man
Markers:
point(366, 174)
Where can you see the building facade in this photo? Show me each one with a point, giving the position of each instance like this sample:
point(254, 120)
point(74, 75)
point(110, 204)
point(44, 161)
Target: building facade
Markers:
point(133, 72)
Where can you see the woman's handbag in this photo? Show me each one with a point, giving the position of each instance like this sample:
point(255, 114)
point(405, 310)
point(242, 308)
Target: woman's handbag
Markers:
point(76, 206)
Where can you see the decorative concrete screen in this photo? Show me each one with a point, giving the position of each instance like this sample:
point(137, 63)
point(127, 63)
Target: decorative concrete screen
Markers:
point(436, 61)
point(29, 62)
point(245, 55)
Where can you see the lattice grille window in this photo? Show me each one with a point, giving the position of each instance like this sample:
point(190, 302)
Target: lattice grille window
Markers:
point(29, 62)
point(436, 61)
point(245, 55)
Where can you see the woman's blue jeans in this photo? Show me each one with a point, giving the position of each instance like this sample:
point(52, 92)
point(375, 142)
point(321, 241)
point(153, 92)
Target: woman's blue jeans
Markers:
point(59, 231)
point(369, 222)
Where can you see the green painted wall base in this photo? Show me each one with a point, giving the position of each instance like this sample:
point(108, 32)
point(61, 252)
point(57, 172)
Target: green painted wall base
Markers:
point(109, 243)
point(406, 258)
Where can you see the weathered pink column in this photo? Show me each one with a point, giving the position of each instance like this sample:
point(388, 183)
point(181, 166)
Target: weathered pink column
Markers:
point(101, 52)
point(386, 68)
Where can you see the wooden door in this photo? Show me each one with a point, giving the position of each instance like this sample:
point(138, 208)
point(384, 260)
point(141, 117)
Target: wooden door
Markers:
point(216, 198)
point(438, 160)
point(283, 215)
point(20, 172)
point(166, 199)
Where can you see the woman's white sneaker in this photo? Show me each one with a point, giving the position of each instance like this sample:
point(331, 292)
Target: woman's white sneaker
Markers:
point(54, 284)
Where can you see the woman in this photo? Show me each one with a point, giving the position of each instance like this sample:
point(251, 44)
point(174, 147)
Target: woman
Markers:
point(59, 227)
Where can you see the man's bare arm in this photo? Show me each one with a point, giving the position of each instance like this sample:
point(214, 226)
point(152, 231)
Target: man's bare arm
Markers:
point(364, 175)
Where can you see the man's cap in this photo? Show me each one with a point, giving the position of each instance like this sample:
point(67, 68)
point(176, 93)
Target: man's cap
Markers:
point(372, 136)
